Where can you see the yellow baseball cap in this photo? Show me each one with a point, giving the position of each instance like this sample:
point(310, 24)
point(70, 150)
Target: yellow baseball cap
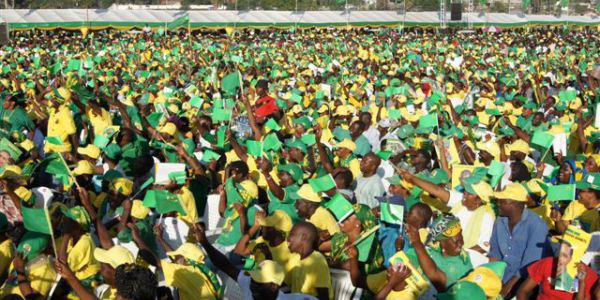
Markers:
point(90, 150)
point(169, 128)
point(268, 271)
point(348, 144)
point(490, 147)
point(533, 186)
point(512, 191)
point(115, 256)
point(518, 146)
point(307, 193)
point(481, 189)
point(83, 167)
point(189, 251)
point(279, 220)
point(138, 210)
point(23, 193)
point(122, 185)
point(488, 277)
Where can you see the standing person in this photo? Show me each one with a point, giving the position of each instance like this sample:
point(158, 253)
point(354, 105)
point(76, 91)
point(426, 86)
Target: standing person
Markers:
point(519, 237)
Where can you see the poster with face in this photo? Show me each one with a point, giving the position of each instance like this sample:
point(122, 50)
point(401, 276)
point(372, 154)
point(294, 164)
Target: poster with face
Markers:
point(573, 245)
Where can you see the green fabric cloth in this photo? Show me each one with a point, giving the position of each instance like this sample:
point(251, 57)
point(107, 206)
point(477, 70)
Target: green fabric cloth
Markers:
point(362, 146)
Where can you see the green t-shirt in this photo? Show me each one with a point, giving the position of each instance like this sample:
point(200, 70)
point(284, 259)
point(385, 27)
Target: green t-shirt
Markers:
point(455, 267)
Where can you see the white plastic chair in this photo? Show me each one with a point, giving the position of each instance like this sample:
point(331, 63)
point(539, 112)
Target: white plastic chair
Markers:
point(212, 219)
point(343, 289)
point(232, 288)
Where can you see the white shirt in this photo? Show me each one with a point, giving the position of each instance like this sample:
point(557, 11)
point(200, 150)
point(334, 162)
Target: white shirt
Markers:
point(373, 136)
point(244, 281)
point(385, 171)
point(464, 216)
point(368, 189)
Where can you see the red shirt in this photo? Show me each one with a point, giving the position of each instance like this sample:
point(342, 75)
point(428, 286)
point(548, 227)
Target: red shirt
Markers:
point(265, 106)
point(542, 271)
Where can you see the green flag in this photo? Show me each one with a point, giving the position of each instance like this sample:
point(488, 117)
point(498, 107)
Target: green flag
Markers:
point(364, 243)
point(391, 213)
point(209, 155)
point(221, 115)
point(255, 148)
point(322, 184)
point(309, 139)
point(273, 125)
point(564, 3)
point(178, 177)
point(526, 4)
point(182, 21)
point(428, 121)
point(394, 114)
point(561, 192)
point(271, 142)
point(542, 139)
point(230, 83)
point(36, 219)
point(340, 207)
point(8, 146)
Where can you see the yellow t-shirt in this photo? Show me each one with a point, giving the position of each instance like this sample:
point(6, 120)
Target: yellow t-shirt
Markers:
point(61, 124)
point(590, 221)
point(6, 255)
point(377, 281)
point(310, 273)
point(99, 122)
point(189, 204)
point(324, 220)
point(80, 257)
point(192, 284)
point(40, 273)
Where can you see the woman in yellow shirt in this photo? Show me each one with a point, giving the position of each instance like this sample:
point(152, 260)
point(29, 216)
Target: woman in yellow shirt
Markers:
point(77, 246)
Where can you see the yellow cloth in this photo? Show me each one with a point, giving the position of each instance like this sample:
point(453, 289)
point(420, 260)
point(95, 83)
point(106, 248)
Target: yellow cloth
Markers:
point(80, 257)
point(280, 253)
point(6, 255)
point(189, 204)
point(41, 275)
point(353, 165)
point(99, 122)
point(61, 124)
point(543, 211)
point(323, 220)
point(589, 218)
point(377, 281)
point(310, 273)
point(192, 284)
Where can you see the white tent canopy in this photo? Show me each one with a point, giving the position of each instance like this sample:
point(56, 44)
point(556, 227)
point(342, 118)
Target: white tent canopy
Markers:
point(75, 18)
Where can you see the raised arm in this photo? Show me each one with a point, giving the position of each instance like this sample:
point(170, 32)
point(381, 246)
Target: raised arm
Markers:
point(433, 189)
point(430, 268)
point(216, 257)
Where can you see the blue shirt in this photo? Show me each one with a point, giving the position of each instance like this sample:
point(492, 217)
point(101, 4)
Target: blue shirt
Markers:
point(527, 243)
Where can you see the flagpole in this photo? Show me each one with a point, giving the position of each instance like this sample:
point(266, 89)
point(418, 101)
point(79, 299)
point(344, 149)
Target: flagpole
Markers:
point(51, 230)
point(68, 170)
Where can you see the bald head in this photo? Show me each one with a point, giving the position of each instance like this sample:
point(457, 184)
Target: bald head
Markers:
point(303, 238)
point(369, 164)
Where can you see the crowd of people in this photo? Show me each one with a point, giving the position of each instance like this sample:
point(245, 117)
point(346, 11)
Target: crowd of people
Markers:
point(426, 164)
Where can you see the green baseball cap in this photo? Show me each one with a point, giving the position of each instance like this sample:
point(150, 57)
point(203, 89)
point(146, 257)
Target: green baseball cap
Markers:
point(294, 170)
point(463, 290)
point(32, 244)
point(590, 181)
point(298, 144)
